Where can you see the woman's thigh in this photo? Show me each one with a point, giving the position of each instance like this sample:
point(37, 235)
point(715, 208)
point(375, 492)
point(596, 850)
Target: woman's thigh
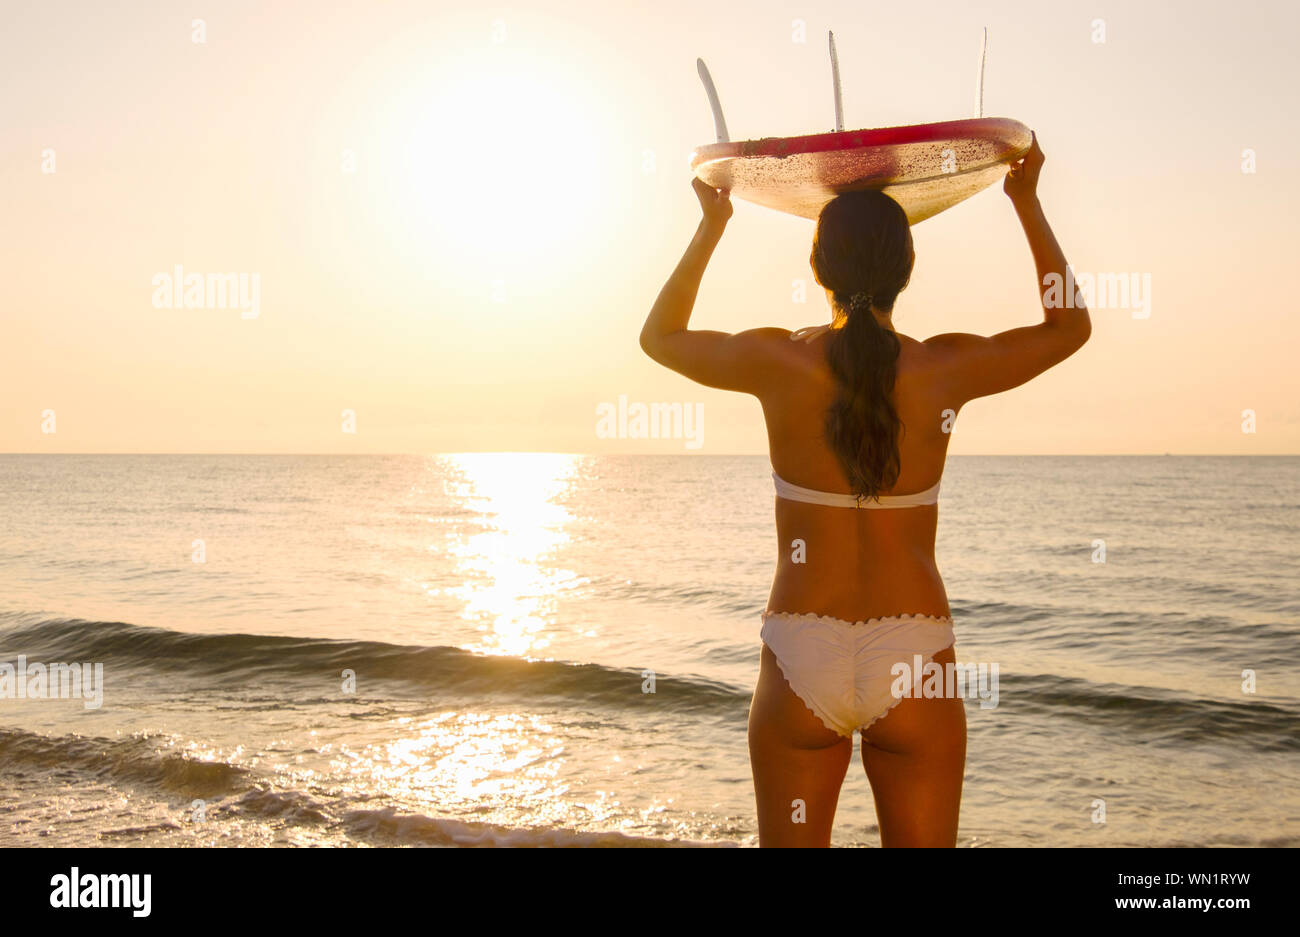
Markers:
point(798, 763)
point(915, 759)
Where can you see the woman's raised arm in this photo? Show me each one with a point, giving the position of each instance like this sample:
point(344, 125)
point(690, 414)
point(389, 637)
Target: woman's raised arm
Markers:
point(739, 362)
point(980, 365)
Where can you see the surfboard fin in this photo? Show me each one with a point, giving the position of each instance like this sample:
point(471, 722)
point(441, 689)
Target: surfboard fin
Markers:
point(835, 80)
point(979, 84)
point(719, 124)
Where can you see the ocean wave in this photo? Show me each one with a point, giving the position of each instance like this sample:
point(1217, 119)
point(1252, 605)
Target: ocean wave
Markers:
point(237, 794)
point(1198, 630)
point(451, 671)
point(127, 761)
point(453, 674)
point(1161, 715)
point(393, 826)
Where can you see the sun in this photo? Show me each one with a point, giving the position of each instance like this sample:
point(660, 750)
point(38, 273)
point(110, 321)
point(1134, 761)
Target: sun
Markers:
point(499, 166)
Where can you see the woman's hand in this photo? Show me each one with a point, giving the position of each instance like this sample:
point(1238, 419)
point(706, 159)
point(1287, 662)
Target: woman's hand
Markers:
point(1021, 184)
point(715, 203)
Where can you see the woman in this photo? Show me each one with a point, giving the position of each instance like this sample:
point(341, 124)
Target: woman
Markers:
point(858, 419)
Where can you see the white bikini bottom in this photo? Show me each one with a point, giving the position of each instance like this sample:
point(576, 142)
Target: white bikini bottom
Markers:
point(841, 669)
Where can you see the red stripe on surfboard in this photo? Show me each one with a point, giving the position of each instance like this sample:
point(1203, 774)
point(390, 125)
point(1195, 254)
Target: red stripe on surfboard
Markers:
point(995, 129)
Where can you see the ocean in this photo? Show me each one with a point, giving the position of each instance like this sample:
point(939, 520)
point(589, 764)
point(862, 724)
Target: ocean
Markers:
point(525, 649)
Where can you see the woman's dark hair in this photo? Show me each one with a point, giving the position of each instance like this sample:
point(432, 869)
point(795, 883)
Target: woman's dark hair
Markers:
point(862, 252)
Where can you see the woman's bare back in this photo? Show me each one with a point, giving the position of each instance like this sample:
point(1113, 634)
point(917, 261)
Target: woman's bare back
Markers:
point(855, 565)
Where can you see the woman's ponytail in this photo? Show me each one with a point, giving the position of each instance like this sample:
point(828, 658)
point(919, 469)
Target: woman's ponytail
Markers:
point(862, 253)
point(862, 424)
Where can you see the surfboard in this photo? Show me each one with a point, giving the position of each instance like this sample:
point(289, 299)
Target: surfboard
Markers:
point(926, 168)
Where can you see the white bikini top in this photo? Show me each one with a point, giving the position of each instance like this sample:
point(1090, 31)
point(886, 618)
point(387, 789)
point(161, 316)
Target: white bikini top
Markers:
point(834, 499)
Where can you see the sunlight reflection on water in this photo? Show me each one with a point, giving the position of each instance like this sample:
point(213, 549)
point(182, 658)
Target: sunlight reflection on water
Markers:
point(509, 589)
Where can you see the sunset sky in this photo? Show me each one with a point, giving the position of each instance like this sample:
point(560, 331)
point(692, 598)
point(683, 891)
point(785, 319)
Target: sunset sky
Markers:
point(459, 215)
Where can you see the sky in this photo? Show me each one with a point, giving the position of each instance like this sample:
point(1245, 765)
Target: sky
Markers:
point(451, 219)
